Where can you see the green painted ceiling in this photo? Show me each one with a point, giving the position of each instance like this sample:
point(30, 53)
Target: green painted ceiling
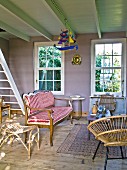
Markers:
point(28, 18)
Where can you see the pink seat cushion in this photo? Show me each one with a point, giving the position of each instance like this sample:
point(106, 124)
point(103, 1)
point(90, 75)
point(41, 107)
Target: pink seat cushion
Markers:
point(59, 113)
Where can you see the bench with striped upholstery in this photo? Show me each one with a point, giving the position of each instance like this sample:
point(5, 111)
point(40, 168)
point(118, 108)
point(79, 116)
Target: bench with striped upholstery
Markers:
point(40, 109)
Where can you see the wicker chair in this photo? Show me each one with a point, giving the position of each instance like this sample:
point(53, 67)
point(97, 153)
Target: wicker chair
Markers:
point(112, 131)
point(109, 102)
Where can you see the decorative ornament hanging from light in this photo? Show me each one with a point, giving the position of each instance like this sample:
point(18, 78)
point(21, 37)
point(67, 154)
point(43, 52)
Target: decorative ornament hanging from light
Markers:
point(67, 39)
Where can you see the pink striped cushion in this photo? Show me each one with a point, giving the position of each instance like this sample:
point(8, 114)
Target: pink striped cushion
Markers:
point(40, 100)
point(59, 113)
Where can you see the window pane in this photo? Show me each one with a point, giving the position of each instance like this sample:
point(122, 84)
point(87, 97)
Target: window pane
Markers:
point(108, 86)
point(98, 87)
point(116, 86)
point(116, 76)
point(57, 75)
point(42, 85)
point(99, 49)
point(57, 58)
point(108, 80)
point(97, 74)
point(108, 49)
point(45, 74)
point(103, 61)
point(117, 49)
point(49, 57)
point(106, 62)
point(41, 75)
point(49, 74)
point(46, 85)
point(57, 85)
point(98, 60)
point(116, 61)
point(57, 52)
point(50, 51)
point(42, 56)
point(107, 75)
point(57, 62)
point(49, 62)
point(50, 85)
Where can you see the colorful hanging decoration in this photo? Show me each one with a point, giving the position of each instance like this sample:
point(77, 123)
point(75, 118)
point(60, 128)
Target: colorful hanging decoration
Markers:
point(68, 39)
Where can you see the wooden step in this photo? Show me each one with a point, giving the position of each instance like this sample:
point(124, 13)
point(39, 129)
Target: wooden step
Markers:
point(16, 109)
point(3, 80)
point(11, 102)
point(7, 95)
point(5, 88)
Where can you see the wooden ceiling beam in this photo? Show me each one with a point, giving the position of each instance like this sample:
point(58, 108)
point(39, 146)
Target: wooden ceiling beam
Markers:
point(96, 18)
point(14, 31)
point(2, 35)
point(58, 12)
point(25, 18)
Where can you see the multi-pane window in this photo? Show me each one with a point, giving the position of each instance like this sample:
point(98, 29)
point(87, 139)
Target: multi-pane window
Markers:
point(107, 67)
point(49, 68)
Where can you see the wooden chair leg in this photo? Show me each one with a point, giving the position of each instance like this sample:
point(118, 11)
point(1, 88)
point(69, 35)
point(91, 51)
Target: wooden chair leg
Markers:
point(71, 117)
point(25, 136)
point(9, 112)
point(38, 138)
point(0, 115)
point(51, 135)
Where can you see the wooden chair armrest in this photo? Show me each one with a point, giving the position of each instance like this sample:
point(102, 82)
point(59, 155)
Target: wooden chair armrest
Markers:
point(39, 109)
point(113, 131)
point(49, 111)
point(5, 106)
point(112, 136)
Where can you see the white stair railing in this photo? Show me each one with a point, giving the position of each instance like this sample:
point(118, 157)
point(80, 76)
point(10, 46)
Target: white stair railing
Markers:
point(11, 81)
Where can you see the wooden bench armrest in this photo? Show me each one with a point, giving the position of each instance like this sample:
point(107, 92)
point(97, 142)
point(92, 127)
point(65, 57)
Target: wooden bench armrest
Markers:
point(49, 111)
point(40, 109)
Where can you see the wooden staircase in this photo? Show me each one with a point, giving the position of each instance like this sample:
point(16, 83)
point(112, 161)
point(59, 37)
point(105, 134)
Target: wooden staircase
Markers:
point(8, 88)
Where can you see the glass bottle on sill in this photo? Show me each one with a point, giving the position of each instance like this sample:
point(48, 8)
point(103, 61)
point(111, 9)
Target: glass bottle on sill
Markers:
point(94, 109)
point(103, 111)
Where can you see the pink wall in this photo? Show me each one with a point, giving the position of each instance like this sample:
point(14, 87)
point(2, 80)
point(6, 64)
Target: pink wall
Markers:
point(4, 46)
point(77, 77)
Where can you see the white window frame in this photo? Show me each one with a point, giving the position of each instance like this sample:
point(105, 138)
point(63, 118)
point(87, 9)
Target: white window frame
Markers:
point(123, 65)
point(36, 66)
